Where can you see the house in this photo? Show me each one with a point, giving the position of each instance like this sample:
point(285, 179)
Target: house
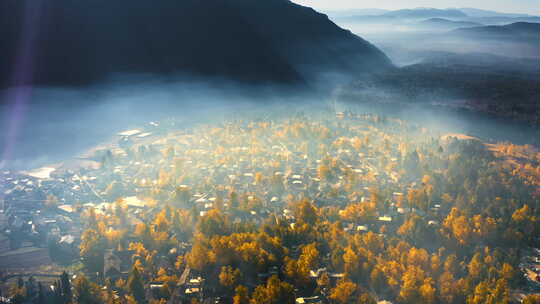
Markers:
point(193, 291)
point(310, 300)
point(194, 287)
point(68, 244)
point(129, 133)
point(134, 202)
point(335, 277)
point(386, 219)
point(362, 228)
point(402, 210)
point(156, 285)
point(315, 274)
point(433, 223)
point(66, 209)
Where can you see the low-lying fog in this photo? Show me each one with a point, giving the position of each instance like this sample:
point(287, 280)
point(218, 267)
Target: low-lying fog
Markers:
point(51, 124)
point(47, 125)
point(54, 124)
point(408, 43)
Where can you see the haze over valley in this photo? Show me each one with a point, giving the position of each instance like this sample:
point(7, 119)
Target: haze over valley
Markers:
point(268, 152)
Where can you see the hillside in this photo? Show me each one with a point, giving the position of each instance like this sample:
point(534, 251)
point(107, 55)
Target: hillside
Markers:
point(356, 12)
point(309, 40)
point(85, 42)
point(500, 86)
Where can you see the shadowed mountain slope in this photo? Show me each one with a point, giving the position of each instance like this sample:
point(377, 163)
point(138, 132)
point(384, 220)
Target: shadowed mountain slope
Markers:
point(65, 42)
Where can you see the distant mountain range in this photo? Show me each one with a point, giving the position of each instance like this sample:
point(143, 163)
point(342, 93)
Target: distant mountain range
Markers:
point(473, 15)
point(474, 12)
point(527, 32)
point(65, 42)
point(420, 13)
point(502, 20)
point(447, 24)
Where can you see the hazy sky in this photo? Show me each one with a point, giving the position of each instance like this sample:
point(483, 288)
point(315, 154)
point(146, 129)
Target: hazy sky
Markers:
point(508, 6)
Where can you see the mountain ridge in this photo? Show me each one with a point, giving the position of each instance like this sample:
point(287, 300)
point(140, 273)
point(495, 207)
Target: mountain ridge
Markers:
point(441, 22)
point(427, 13)
point(513, 31)
point(84, 42)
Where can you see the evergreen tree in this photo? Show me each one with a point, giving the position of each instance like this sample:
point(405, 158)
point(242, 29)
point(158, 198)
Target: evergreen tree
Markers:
point(20, 283)
point(41, 295)
point(57, 293)
point(31, 287)
point(136, 286)
point(65, 288)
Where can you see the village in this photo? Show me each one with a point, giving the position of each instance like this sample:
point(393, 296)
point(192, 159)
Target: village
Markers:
point(356, 169)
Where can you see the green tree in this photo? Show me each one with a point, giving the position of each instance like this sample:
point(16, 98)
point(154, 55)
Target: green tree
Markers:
point(41, 295)
point(306, 212)
point(136, 286)
point(213, 223)
point(65, 288)
point(182, 194)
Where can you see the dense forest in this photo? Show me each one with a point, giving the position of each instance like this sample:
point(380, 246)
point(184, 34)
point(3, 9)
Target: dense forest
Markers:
point(499, 86)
